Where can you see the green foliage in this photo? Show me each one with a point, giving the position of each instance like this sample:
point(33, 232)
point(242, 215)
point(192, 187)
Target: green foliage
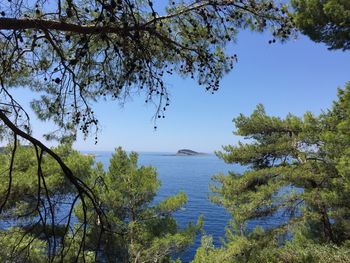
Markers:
point(93, 49)
point(34, 199)
point(143, 231)
point(136, 230)
point(27, 184)
point(325, 21)
point(18, 247)
point(297, 175)
point(307, 252)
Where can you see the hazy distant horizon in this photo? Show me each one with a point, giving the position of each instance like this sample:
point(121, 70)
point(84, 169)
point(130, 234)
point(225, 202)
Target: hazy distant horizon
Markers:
point(155, 152)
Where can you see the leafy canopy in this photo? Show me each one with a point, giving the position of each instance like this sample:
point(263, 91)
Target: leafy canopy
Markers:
point(326, 21)
point(36, 227)
point(147, 230)
point(73, 53)
point(36, 202)
point(76, 52)
point(297, 177)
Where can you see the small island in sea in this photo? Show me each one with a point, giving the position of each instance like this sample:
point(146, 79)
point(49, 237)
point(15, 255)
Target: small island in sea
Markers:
point(187, 152)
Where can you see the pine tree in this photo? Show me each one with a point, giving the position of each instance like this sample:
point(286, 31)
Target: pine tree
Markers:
point(326, 21)
point(296, 177)
point(38, 230)
point(33, 221)
point(143, 231)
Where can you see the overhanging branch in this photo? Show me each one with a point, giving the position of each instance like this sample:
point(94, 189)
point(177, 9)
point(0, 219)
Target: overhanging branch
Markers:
point(40, 24)
point(81, 187)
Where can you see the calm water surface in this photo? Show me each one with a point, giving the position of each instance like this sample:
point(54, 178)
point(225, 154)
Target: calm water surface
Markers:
point(191, 174)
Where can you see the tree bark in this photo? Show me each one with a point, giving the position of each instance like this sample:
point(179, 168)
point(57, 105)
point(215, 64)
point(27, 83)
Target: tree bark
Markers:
point(42, 24)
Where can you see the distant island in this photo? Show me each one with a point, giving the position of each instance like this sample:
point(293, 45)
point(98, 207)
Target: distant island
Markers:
point(187, 152)
point(90, 154)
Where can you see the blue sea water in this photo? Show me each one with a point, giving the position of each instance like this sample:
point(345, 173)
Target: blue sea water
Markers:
point(191, 174)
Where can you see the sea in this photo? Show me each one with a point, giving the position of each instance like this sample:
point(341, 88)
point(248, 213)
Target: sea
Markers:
point(192, 175)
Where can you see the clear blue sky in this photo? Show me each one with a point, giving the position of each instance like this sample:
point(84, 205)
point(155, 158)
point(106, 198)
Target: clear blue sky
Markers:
point(294, 77)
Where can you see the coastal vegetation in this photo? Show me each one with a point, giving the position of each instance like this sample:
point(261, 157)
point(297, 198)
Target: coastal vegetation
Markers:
point(58, 205)
point(140, 230)
point(325, 21)
point(72, 54)
point(297, 169)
